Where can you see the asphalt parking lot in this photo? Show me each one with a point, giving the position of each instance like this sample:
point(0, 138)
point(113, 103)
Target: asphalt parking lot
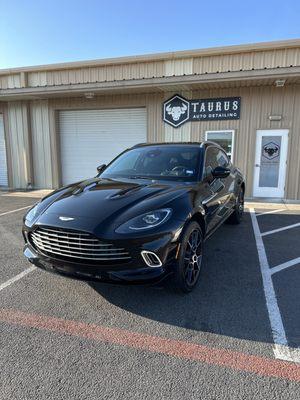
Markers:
point(237, 336)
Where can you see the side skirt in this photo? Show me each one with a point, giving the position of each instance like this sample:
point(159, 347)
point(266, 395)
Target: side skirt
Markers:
point(213, 230)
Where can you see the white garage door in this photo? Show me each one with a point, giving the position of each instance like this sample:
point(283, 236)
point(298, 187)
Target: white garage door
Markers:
point(89, 138)
point(3, 165)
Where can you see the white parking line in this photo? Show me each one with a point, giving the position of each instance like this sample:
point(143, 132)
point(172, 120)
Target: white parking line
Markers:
point(285, 265)
point(278, 331)
point(284, 228)
point(281, 349)
point(287, 353)
point(270, 212)
point(295, 354)
point(13, 211)
point(17, 277)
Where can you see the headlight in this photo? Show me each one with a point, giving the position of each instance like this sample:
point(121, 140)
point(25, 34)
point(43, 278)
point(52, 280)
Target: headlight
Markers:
point(32, 213)
point(145, 221)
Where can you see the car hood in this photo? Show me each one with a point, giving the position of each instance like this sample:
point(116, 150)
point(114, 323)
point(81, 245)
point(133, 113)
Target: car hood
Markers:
point(108, 202)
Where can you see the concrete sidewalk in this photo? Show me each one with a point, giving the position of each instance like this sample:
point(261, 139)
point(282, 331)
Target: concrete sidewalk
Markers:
point(272, 205)
point(31, 193)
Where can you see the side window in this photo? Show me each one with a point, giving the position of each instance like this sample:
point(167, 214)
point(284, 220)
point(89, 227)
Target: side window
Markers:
point(214, 158)
point(210, 161)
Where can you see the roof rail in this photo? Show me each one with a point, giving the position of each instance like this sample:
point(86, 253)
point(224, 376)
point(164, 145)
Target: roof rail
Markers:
point(209, 142)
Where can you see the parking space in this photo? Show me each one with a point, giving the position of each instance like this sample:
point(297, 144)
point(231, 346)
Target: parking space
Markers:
point(12, 201)
point(12, 208)
point(66, 339)
point(278, 232)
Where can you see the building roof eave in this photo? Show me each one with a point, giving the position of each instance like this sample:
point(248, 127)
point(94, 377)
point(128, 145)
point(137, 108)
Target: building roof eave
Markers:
point(160, 84)
point(164, 56)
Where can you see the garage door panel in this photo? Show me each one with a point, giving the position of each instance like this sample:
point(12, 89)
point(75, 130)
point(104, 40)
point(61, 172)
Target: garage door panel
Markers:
point(89, 138)
point(3, 162)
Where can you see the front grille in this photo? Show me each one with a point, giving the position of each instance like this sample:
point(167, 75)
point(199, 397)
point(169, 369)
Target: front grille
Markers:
point(65, 244)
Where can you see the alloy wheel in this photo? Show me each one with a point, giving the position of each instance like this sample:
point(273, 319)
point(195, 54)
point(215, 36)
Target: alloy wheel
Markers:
point(193, 257)
point(240, 204)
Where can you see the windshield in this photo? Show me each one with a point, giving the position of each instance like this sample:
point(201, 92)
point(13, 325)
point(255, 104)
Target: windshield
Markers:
point(156, 162)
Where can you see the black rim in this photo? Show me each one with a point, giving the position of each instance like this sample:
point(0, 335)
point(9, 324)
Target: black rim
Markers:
point(240, 204)
point(193, 257)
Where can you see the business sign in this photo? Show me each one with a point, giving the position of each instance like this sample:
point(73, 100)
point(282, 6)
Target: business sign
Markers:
point(177, 110)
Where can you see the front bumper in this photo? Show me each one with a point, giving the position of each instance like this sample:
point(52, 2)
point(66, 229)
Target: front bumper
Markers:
point(134, 272)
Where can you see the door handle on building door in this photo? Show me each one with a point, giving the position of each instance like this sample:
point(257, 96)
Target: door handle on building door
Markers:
point(257, 165)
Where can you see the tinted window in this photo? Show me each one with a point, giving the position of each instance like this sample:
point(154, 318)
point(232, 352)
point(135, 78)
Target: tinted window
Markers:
point(159, 162)
point(214, 157)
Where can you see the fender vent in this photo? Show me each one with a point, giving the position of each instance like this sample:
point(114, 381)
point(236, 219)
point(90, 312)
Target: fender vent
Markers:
point(151, 259)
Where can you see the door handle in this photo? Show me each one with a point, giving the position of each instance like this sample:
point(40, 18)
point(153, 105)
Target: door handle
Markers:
point(257, 165)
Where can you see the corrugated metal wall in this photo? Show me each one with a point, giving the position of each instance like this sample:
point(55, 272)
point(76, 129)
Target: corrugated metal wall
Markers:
point(41, 144)
point(247, 61)
point(236, 61)
point(257, 104)
point(178, 67)
point(20, 144)
point(3, 160)
point(32, 134)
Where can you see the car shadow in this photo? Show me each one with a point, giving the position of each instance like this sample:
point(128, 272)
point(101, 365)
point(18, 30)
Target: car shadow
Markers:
point(229, 299)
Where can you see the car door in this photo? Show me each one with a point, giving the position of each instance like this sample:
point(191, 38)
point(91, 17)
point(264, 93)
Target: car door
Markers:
point(218, 192)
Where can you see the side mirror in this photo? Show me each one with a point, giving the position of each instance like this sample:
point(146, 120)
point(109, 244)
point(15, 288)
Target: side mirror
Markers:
point(221, 172)
point(101, 168)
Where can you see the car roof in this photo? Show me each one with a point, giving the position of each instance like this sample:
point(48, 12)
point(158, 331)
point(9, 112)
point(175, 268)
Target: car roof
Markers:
point(203, 144)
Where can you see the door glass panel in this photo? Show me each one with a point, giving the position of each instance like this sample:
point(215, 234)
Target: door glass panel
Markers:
point(223, 139)
point(269, 161)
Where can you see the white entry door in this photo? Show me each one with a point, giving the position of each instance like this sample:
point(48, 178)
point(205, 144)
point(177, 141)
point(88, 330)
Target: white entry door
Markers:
point(270, 163)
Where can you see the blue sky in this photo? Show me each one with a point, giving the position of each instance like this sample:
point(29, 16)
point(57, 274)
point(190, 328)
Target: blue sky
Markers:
point(42, 32)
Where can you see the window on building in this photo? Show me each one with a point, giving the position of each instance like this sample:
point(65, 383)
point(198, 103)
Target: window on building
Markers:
point(224, 138)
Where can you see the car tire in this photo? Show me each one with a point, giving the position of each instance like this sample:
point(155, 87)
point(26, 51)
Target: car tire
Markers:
point(189, 260)
point(236, 217)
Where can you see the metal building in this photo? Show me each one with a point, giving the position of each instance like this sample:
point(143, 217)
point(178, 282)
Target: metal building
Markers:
point(58, 122)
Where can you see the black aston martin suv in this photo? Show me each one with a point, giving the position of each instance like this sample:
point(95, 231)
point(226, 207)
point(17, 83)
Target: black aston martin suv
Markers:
point(144, 217)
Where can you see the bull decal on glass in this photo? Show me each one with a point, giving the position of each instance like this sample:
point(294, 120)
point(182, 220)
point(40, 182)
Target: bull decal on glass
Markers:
point(271, 150)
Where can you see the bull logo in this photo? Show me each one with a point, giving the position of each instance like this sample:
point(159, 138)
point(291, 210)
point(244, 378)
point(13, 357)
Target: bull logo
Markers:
point(176, 111)
point(271, 150)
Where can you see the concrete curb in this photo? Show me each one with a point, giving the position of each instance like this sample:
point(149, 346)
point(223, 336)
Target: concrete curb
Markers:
point(271, 206)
